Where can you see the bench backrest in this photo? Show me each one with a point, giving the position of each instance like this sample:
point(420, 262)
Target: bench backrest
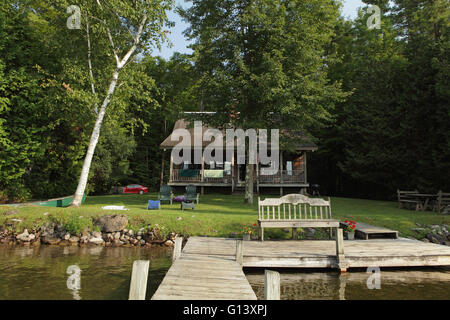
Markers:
point(294, 207)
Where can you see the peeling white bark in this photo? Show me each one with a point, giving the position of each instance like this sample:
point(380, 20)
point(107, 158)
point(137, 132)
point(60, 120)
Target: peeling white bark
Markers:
point(76, 202)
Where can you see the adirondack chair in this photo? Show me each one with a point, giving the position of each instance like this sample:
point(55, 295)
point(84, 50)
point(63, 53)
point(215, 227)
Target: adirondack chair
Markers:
point(191, 194)
point(165, 194)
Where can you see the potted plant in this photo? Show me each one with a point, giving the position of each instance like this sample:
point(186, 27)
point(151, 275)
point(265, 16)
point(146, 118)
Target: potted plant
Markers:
point(247, 232)
point(350, 229)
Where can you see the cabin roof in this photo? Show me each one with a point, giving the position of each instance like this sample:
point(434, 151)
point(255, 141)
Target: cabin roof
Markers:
point(303, 143)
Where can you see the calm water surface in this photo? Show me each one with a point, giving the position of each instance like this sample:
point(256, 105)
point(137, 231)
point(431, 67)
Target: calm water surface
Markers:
point(417, 284)
point(41, 273)
point(30, 273)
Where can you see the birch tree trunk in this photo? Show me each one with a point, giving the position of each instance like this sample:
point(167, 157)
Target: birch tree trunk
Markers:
point(78, 197)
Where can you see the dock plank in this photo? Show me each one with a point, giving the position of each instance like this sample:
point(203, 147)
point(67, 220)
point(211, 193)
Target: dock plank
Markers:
point(207, 270)
point(203, 277)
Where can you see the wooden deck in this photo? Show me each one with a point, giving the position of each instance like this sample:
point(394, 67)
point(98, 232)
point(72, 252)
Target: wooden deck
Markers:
point(207, 270)
point(204, 277)
point(322, 254)
point(367, 231)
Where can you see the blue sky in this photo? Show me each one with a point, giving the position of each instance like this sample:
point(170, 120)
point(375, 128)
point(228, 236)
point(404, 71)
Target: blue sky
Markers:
point(180, 43)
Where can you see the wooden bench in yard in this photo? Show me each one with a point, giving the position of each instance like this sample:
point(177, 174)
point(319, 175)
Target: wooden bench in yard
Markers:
point(295, 211)
point(404, 198)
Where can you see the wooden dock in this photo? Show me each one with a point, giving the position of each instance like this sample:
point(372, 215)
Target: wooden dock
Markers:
point(367, 231)
point(322, 254)
point(204, 277)
point(206, 268)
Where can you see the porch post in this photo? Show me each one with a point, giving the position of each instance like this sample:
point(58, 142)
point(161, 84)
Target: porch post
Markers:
point(304, 165)
point(162, 167)
point(171, 167)
point(232, 172)
point(281, 173)
point(257, 173)
point(203, 167)
point(202, 189)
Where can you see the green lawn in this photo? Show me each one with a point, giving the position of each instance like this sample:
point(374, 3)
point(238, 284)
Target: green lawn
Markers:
point(217, 215)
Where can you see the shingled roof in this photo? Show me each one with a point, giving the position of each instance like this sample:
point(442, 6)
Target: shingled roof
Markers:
point(302, 145)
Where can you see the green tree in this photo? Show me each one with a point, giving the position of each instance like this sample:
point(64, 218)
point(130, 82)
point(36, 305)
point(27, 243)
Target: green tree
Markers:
point(261, 57)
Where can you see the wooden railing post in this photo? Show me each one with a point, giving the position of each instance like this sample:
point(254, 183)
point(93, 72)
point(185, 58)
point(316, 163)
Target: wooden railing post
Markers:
point(177, 248)
point(342, 265)
point(239, 252)
point(171, 178)
point(139, 275)
point(271, 285)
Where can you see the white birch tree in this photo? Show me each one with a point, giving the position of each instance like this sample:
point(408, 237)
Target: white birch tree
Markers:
point(131, 27)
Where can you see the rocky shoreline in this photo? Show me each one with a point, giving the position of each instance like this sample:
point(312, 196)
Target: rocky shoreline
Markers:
point(112, 233)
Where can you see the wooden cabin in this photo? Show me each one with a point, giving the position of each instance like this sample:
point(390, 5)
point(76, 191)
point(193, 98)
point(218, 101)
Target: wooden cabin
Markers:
point(230, 175)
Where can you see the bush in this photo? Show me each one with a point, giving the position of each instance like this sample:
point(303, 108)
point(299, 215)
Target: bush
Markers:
point(75, 224)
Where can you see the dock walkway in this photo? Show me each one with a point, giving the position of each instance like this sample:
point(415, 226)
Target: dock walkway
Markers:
point(204, 277)
point(207, 268)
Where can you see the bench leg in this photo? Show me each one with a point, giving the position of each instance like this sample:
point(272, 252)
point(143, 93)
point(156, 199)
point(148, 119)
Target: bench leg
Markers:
point(331, 233)
point(294, 233)
point(261, 233)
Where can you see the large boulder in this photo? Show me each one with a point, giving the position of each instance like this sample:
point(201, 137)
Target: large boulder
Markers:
point(112, 223)
point(50, 240)
point(25, 236)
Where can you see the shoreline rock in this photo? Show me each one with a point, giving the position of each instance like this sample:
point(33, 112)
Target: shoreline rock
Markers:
point(54, 234)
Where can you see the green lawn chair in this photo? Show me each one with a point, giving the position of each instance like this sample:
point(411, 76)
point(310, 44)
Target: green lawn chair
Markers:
point(165, 194)
point(191, 194)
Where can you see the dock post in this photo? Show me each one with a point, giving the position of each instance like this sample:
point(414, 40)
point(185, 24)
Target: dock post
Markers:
point(271, 285)
point(177, 248)
point(239, 252)
point(139, 275)
point(340, 250)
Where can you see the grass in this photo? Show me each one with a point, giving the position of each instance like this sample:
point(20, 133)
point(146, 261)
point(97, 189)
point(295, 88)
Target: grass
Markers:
point(216, 215)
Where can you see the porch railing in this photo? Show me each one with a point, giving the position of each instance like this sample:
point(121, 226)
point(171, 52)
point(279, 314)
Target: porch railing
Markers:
point(284, 176)
point(194, 176)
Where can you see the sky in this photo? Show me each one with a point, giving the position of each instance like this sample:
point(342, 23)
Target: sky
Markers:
point(180, 44)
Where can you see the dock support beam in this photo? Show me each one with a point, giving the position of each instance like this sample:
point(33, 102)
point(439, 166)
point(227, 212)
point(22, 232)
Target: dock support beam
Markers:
point(341, 263)
point(139, 275)
point(177, 248)
point(271, 285)
point(239, 252)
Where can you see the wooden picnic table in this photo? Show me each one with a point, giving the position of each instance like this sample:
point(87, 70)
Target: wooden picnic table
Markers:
point(424, 198)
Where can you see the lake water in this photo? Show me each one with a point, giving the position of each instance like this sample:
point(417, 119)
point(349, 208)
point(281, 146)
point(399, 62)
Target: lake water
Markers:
point(413, 284)
point(31, 273)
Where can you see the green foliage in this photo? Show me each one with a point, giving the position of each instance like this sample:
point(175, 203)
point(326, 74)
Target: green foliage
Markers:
point(75, 223)
point(262, 57)
point(394, 130)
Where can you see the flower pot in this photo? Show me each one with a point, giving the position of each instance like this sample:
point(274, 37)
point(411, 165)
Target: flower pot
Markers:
point(246, 237)
point(350, 236)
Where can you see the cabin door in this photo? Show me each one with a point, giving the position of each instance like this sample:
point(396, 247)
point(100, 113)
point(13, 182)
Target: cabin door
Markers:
point(241, 173)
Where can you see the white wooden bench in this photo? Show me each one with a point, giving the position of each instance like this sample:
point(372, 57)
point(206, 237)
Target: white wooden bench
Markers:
point(295, 211)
